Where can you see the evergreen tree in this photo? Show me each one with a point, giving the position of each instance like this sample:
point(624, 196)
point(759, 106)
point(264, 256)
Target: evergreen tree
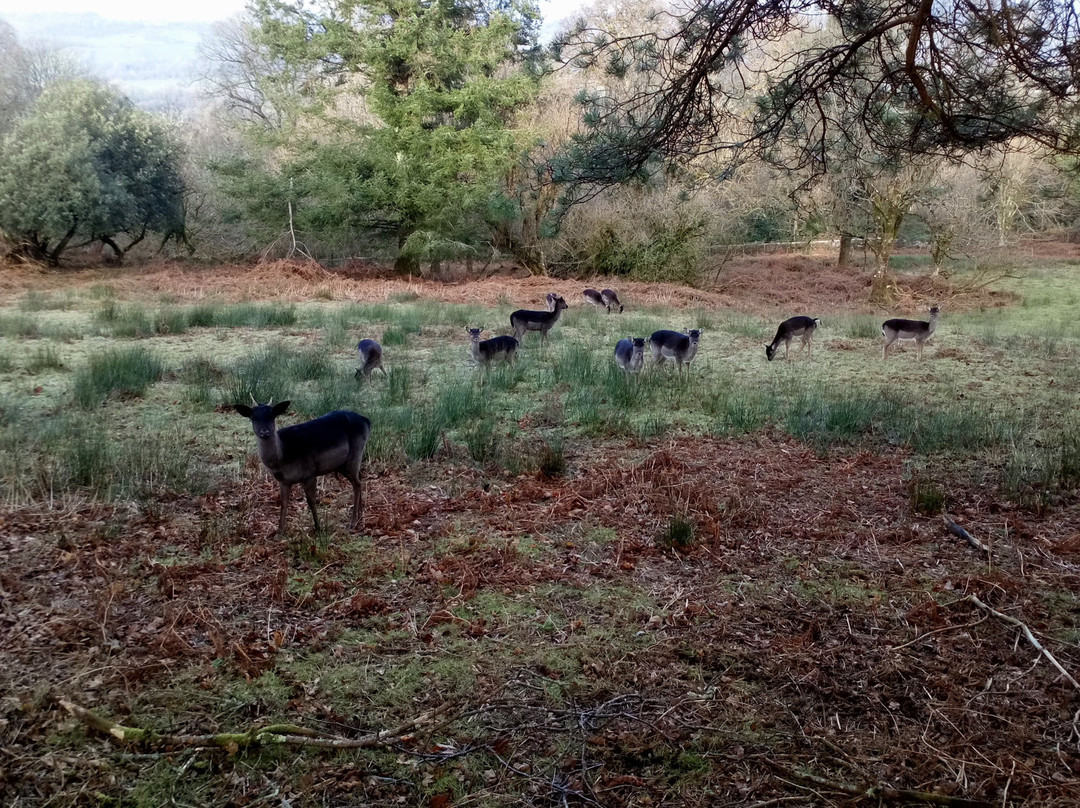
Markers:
point(420, 156)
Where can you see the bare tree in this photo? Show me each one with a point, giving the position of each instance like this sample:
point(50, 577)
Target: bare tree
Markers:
point(253, 85)
point(924, 77)
point(26, 70)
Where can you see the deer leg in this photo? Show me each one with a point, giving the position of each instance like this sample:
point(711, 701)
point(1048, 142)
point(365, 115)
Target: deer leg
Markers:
point(357, 501)
point(310, 490)
point(286, 493)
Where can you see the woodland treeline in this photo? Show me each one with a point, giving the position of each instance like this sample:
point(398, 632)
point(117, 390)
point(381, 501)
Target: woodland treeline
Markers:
point(646, 137)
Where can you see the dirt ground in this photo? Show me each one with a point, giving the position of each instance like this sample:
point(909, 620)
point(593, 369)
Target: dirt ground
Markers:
point(815, 645)
point(764, 284)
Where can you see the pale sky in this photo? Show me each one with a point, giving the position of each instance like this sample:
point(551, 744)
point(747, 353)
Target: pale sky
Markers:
point(201, 10)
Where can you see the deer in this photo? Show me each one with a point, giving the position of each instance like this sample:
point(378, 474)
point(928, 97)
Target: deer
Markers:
point(675, 345)
point(594, 297)
point(485, 351)
point(371, 356)
point(789, 329)
point(551, 298)
point(304, 452)
point(906, 330)
point(524, 320)
point(611, 300)
point(630, 354)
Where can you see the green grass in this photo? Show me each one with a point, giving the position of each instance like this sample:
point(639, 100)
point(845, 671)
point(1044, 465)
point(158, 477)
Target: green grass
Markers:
point(127, 372)
point(433, 396)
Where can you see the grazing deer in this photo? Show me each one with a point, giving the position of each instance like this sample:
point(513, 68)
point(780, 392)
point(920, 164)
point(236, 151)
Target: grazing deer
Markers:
point(524, 320)
point(484, 351)
point(371, 356)
point(594, 297)
point(904, 330)
point(675, 345)
point(611, 300)
point(789, 329)
point(304, 452)
point(630, 354)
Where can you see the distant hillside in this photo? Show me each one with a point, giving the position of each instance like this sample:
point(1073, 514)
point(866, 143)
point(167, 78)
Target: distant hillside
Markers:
point(153, 63)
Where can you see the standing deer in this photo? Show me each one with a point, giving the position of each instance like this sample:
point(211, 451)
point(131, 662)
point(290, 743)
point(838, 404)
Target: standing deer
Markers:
point(485, 351)
point(630, 354)
point(675, 345)
point(907, 330)
point(789, 329)
point(611, 300)
point(524, 320)
point(304, 452)
point(371, 357)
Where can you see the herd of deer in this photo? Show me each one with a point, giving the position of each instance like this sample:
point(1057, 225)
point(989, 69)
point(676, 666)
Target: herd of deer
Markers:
point(335, 442)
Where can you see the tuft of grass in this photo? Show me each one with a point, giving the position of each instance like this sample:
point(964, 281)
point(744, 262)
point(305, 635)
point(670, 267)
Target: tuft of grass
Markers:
point(741, 411)
point(483, 441)
point(128, 372)
point(678, 535)
point(20, 325)
point(458, 401)
point(45, 358)
point(201, 377)
point(820, 420)
point(552, 461)
point(38, 301)
point(860, 326)
point(171, 321)
point(399, 385)
point(254, 315)
point(276, 371)
point(202, 315)
point(926, 496)
point(394, 337)
point(131, 322)
point(423, 437)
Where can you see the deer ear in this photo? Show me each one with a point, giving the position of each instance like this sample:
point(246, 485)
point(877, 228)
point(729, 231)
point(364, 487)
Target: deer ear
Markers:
point(243, 409)
point(281, 407)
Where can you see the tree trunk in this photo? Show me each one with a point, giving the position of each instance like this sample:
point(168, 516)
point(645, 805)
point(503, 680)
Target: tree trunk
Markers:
point(405, 264)
point(117, 252)
point(844, 259)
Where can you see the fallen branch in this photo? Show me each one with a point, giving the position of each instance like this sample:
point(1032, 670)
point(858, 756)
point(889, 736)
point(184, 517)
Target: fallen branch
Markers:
point(1030, 638)
point(879, 793)
point(287, 734)
point(956, 530)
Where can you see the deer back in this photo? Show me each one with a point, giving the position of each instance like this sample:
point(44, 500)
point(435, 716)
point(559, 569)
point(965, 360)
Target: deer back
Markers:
point(320, 446)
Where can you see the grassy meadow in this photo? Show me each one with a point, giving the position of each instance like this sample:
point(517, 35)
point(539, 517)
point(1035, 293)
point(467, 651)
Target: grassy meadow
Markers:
point(705, 589)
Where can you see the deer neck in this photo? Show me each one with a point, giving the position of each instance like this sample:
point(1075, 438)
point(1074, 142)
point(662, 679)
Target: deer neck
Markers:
point(271, 452)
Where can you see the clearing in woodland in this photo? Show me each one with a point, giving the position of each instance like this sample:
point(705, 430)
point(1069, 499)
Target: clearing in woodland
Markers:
point(572, 586)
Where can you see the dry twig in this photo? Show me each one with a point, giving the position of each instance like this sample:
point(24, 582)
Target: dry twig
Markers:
point(956, 530)
point(287, 734)
point(1030, 638)
point(877, 792)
